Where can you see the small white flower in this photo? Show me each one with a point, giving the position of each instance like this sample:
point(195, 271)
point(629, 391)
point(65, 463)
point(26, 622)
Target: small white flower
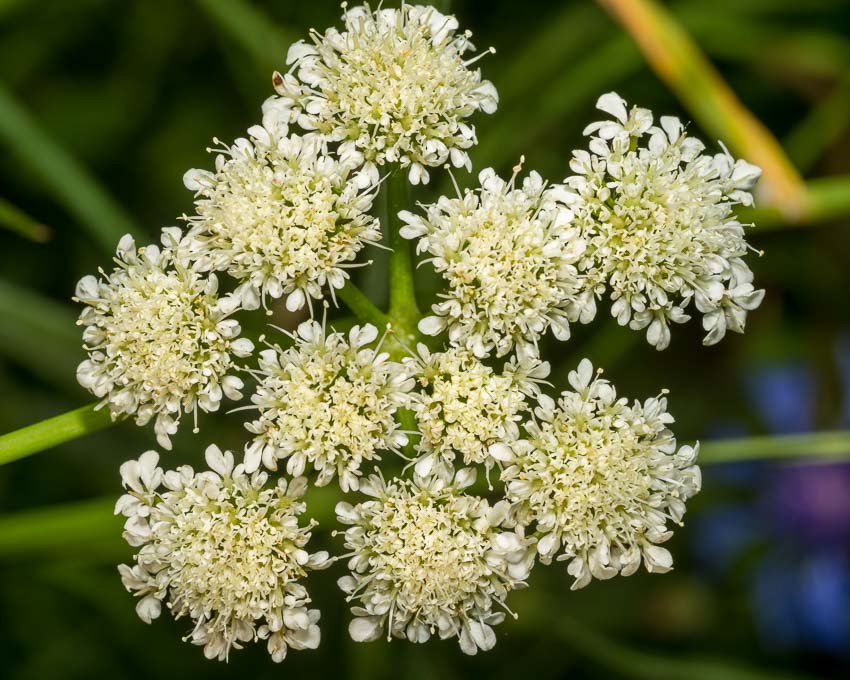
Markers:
point(600, 479)
point(657, 215)
point(330, 402)
point(427, 558)
point(393, 87)
point(158, 337)
point(220, 548)
point(281, 217)
point(466, 409)
point(508, 255)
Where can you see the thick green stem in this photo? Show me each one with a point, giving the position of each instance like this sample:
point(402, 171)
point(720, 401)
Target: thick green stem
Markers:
point(363, 308)
point(404, 312)
point(52, 432)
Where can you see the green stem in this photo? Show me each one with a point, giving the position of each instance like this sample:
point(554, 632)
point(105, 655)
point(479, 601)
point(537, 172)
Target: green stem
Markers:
point(26, 315)
point(84, 525)
point(52, 432)
point(820, 445)
point(403, 310)
point(825, 199)
point(363, 308)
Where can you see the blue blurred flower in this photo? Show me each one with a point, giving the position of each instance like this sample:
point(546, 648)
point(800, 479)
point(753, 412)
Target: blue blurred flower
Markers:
point(784, 396)
point(809, 504)
point(801, 587)
point(720, 535)
point(804, 601)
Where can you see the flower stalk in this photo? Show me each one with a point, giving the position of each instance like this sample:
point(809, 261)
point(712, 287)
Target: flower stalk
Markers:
point(52, 432)
point(404, 312)
point(361, 306)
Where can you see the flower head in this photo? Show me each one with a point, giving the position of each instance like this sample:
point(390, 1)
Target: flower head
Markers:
point(508, 255)
point(600, 480)
point(281, 217)
point(466, 409)
point(158, 338)
point(427, 558)
point(220, 548)
point(393, 87)
point(329, 401)
point(657, 216)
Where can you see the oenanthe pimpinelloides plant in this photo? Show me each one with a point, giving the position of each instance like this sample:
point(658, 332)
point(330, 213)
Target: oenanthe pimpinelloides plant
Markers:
point(645, 219)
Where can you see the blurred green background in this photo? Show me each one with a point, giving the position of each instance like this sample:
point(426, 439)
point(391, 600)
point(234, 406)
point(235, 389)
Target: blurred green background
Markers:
point(104, 105)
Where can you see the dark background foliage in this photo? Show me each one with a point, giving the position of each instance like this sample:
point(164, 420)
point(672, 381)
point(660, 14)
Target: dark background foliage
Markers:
point(135, 91)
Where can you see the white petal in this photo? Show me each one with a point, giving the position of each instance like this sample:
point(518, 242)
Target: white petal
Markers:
point(222, 463)
point(614, 104)
point(501, 452)
point(365, 629)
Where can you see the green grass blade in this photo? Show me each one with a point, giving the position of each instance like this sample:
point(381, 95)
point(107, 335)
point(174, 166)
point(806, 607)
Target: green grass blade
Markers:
point(780, 49)
point(87, 524)
point(55, 353)
point(79, 524)
point(251, 29)
point(17, 221)
point(66, 179)
point(822, 129)
point(677, 60)
point(52, 432)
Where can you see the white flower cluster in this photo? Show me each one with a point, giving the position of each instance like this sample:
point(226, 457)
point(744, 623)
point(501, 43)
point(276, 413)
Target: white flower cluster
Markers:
point(428, 559)
point(218, 547)
point(329, 402)
point(656, 214)
point(508, 255)
point(599, 480)
point(281, 217)
point(590, 479)
point(158, 338)
point(392, 88)
point(465, 409)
